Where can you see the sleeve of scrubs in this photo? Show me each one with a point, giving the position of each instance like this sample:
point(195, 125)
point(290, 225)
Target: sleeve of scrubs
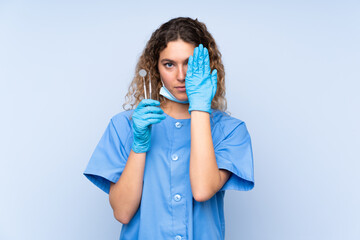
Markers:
point(234, 153)
point(111, 153)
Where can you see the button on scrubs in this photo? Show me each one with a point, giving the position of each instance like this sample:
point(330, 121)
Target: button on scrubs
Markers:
point(168, 209)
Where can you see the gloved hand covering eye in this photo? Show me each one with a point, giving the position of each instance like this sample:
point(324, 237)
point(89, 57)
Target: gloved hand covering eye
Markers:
point(199, 83)
point(145, 114)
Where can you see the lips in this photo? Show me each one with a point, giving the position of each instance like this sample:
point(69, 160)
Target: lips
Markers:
point(182, 89)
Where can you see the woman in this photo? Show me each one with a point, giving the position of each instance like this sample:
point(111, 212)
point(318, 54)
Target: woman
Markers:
point(167, 163)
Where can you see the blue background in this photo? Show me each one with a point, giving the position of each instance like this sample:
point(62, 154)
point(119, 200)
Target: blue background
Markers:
point(292, 74)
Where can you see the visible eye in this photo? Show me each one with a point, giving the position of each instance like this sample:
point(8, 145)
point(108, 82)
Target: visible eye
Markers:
point(166, 65)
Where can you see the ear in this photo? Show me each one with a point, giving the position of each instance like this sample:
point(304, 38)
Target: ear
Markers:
point(162, 81)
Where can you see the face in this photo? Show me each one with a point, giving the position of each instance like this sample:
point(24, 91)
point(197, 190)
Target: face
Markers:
point(172, 66)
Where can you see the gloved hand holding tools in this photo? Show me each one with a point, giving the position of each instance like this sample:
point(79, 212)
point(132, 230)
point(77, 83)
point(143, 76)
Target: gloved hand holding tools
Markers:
point(145, 114)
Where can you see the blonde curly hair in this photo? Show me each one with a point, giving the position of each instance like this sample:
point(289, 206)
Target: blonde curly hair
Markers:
point(190, 31)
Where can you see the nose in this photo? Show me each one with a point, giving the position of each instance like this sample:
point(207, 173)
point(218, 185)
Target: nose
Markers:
point(182, 73)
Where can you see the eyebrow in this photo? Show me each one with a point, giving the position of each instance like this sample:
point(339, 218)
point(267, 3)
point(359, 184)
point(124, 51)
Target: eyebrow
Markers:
point(172, 61)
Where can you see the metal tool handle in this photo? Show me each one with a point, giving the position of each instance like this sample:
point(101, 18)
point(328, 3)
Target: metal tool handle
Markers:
point(143, 73)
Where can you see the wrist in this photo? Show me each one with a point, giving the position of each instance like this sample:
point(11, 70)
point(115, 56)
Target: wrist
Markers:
point(197, 113)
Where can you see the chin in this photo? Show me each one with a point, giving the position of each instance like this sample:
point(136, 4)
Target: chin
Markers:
point(182, 98)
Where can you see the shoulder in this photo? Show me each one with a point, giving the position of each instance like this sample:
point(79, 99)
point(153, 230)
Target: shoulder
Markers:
point(121, 122)
point(224, 123)
point(122, 118)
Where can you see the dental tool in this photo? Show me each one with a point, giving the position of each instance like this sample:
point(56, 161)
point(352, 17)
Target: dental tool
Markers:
point(143, 73)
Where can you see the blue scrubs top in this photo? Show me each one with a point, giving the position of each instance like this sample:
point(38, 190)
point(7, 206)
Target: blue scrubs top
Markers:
point(168, 209)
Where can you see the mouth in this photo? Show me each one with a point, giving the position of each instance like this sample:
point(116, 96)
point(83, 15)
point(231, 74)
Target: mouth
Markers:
point(181, 89)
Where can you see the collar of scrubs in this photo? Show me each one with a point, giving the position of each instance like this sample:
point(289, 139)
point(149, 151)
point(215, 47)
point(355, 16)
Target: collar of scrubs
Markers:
point(175, 119)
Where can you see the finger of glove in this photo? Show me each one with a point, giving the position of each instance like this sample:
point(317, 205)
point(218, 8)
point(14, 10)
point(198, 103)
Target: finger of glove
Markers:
point(214, 81)
point(154, 116)
point(148, 102)
point(201, 59)
point(195, 62)
point(190, 67)
point(206, 62)
point(149, 109)
point(154, 120)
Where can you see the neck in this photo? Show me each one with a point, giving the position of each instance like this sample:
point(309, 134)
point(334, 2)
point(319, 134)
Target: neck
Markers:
point(175, 109)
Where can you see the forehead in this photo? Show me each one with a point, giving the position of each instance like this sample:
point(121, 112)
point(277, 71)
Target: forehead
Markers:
point(177, 50)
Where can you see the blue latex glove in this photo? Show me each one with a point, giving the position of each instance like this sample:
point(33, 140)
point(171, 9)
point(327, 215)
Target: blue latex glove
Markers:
point(145, 114)
point(199, 83)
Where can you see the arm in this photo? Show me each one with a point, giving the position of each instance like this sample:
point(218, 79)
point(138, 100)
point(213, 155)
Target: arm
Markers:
point(201, 84)
point(125, 195)
point(205, 177)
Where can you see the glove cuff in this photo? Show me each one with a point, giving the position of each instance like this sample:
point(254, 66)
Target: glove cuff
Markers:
point(140, 145)
point(204, 108)
point(140, 149)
